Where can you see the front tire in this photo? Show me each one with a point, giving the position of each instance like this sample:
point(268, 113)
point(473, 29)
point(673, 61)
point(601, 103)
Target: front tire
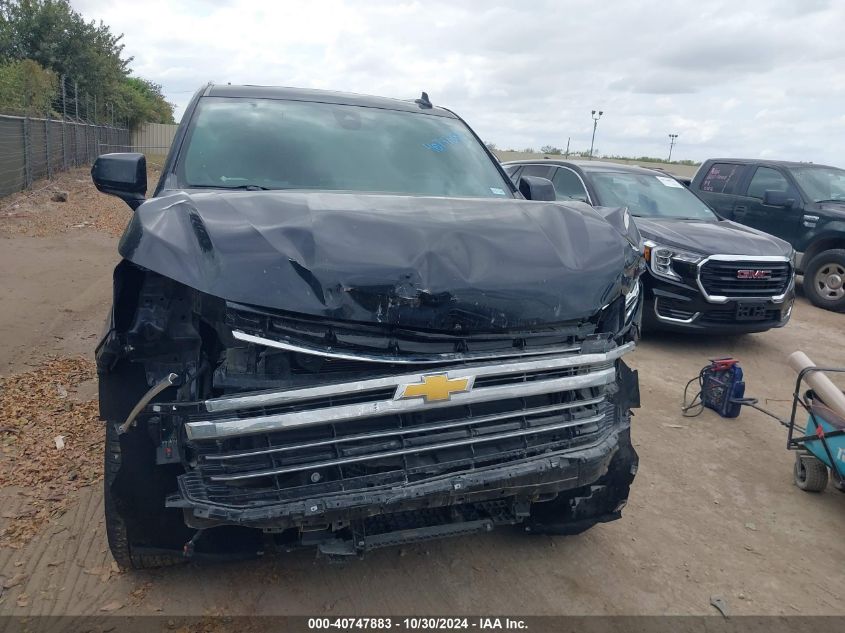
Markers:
point(809, 473)
point(824, 280)
point(122, 522)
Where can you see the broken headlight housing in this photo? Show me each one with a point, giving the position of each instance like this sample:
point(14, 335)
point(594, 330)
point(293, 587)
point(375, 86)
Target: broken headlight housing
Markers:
point(631, 300)
point(661, 259)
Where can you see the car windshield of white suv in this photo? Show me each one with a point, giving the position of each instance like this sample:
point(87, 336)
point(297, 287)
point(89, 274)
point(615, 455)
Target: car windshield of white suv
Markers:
point(649, 196)
point(821, 184)
point(275, 144)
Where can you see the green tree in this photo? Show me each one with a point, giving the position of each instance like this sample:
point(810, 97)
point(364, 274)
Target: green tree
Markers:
point(26, 87)
point(55, 36)
point(149, 104)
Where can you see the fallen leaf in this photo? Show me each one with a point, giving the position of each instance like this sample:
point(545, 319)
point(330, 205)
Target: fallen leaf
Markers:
point(33, 406)
point(114, 605)
point(14, 581)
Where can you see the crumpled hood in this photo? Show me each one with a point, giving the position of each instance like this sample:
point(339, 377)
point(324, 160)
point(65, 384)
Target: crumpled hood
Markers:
point(412, 261)
point(712, 237)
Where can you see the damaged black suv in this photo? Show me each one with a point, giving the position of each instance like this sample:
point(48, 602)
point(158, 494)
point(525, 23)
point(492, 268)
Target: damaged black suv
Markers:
point(337, 323)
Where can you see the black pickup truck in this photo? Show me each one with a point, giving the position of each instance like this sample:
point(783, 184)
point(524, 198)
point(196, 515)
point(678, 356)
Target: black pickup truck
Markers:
point(802, 203)
point(338, 323)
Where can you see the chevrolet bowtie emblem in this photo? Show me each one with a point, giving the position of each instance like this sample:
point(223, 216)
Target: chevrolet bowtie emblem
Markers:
point(434, 388)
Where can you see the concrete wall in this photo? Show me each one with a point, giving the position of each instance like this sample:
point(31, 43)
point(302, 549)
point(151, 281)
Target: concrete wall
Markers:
point(153, 139)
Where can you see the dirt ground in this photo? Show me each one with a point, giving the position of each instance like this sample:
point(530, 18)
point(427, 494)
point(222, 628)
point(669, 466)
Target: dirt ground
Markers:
point(713, 511)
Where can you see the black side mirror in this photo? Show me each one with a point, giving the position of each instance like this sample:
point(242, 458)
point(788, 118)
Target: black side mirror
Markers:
point(536, 188)
point(122, 175)
point(778, 198)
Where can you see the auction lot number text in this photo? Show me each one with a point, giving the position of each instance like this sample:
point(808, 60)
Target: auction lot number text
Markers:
point(416, 624)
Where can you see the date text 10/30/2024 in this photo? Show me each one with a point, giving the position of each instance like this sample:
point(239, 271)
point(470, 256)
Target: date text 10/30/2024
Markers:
point(417, 624)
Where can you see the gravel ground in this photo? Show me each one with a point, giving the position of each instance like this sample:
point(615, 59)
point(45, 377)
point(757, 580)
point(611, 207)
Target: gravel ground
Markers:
point(713, 511)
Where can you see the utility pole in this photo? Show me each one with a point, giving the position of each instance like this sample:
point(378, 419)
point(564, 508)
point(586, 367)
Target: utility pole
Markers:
point(566, 155)
point(595, 124)
point(672, 138)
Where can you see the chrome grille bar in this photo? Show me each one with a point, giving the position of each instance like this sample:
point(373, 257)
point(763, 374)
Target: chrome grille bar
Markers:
point(272, 398)
point(406, 451)
point(219, 429)
point(394, 359)
point(408, 430)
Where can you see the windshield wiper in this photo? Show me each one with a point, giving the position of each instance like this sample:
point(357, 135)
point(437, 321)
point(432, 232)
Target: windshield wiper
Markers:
point(232, 187)
point(667, 217)
point(842, 200)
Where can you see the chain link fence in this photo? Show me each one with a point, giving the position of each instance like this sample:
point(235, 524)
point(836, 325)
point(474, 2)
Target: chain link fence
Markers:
point(45, 129)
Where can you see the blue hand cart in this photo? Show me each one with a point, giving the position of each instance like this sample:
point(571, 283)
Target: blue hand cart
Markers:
point(820, 443)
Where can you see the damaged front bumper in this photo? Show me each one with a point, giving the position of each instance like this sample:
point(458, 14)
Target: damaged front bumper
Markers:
point(351, 466)
point(561, 493)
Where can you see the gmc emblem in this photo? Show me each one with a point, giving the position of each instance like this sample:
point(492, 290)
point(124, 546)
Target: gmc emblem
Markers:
point(754, 274)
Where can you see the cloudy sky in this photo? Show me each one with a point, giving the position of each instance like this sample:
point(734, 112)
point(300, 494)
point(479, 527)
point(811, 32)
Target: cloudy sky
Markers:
point(754, 78)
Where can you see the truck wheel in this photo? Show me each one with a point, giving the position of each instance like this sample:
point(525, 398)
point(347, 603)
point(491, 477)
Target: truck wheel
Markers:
point(810, 474)
point(824, 280)
point(123, 522)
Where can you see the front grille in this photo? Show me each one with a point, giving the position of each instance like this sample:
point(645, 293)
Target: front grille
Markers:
point(395, 343)
point(395, 450)
point(261, 448)
point(722, 278)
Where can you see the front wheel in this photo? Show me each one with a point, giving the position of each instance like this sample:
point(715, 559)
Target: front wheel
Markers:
point(809, 473)
point(132, 521)
point(824, 280)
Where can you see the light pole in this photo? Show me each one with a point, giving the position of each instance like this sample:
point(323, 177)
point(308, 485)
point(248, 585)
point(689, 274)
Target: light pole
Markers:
point(672, 138)
point(596, 118)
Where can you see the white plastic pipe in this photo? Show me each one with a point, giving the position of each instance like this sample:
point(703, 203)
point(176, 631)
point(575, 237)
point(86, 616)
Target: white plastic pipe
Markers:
point(821, 384)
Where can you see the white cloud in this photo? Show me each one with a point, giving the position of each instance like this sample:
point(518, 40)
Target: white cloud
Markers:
point(753, 78)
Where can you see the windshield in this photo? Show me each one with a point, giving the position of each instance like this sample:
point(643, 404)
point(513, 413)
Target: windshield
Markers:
point(821, 183)
point(649, 196)
point(276, 144)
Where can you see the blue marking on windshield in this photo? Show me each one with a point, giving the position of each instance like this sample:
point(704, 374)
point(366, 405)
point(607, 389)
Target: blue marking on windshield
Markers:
point(441, 144)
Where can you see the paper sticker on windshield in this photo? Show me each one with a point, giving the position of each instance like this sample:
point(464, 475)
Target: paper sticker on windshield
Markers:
point(496, 191)
point(670, 182)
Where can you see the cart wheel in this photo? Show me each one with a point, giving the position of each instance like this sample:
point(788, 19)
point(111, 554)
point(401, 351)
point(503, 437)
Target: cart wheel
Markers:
point(810, 474)
point(838, 480)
